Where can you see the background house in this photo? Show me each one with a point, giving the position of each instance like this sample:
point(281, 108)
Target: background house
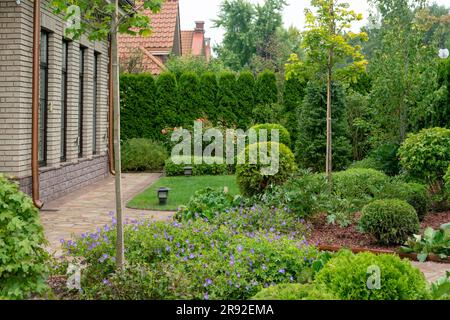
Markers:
point(149, 54)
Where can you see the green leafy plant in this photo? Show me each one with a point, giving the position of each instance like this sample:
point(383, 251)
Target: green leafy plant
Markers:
point(23, 267)
point(294, 291)
point(440, 290)
point(284, 136)
point(175, 166)
point(415, 194)
point(432, 242)
point(384, 158)
point(255, 178)
point(143, 155)
point(347, 276)
point(390, 221)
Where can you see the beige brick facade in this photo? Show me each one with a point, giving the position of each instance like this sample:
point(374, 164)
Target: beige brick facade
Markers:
point(16, 35)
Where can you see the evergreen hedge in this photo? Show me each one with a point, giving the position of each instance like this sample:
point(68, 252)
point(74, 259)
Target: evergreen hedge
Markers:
point(246, 98)
point(189, 97)
point(227, 100)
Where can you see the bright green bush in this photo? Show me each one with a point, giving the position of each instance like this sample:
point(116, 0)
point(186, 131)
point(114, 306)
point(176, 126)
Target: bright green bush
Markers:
point(255, 178)
point(194, 261)
point(23, 258)
point(426, 155)
point(415, 194)
point(245, 89)
point(390, 221)
point(284, 136)
point(347, 277)
point(359, 186)
point(203, 169)
point(294, 291)
point(138, 112)
point(143, 155)
point(447, 182)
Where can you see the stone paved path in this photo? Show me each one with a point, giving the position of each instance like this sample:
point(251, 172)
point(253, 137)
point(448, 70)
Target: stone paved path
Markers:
point(87, 209)
point(433, 271)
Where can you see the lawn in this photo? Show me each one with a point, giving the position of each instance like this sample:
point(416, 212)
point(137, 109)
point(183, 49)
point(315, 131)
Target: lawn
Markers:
point(181, 190)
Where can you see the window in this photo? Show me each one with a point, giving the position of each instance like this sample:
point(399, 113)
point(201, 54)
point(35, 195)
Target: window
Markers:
point(81, 103)
point(65, 56)
point(94, 111)
point(43, 100)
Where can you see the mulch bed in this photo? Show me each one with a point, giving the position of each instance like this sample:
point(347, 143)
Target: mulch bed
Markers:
point(333, 235)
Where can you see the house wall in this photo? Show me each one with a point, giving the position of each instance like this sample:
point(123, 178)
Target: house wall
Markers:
point(16, 39)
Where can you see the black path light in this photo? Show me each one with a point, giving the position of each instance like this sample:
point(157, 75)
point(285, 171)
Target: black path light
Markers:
point(163, 195)
point(188, 171)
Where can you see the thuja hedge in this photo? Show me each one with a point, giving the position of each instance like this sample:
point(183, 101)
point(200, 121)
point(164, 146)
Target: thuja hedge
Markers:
point(150, 104)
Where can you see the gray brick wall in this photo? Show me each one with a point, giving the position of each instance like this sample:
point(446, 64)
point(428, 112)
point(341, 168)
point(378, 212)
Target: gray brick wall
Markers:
point(16, 35)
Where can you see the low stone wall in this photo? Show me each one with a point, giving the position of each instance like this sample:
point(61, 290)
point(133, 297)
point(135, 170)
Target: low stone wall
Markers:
point(57, 182)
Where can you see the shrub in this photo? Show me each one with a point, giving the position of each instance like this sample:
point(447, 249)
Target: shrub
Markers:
point(203, 169)
point(245, 89)
point(284, 136)
point(143, 155)
point(254, 178)
point(266, 91)
point(167, 102)
point(447, 182)
point(227, 100)
point(426, 156)
point(311, 140)
point(23, 267)
point(390, 221)
point(138, 110)
point(208, 95)
point(384, 158)
point(267, 113)
point(415, 194)
point(189, 97)
point(359, 186)
point(192, 261)
point(347, 277)
point(294, 291)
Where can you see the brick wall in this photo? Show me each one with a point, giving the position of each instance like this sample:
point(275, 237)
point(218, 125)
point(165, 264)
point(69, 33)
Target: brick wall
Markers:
point(16, 35)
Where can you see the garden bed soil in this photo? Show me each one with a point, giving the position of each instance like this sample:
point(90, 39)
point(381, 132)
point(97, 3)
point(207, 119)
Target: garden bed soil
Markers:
point(326, 235)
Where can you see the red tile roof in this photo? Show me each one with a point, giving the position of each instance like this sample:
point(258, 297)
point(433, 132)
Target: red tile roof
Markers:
point(186, 42)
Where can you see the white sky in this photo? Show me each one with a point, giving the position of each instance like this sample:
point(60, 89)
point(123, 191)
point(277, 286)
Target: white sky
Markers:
point(206, 10)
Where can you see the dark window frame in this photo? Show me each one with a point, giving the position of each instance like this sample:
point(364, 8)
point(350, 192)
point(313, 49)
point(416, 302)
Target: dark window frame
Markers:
point(64, 99)
point(95, 103)
point(43, 100)
point(81, 101)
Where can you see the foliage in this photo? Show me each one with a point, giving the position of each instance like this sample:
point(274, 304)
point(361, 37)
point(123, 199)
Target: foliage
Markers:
point(23, 267)
point(138, 112)
point(167, 102)
point(389, 221)
point(293, 94)
point(245, 93)
point(254, 178)
point(425, 155)
point(267, 113)
point(199, 65)
point(311, 139)
point(347, 276)
point(266, 91)
point(189, 97)
point(208, 95)
point(211, 166)
point(383, 158)
point(193, 261)
point(226, 99)
point(284, 136)
point(415, 194)
point(440, 290)
point(447, 182)
point(143, 155)
point(206, 203)
point(294, 291)
point(432, 242)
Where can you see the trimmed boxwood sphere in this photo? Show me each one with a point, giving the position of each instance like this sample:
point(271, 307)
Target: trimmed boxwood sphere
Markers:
point(285, 137)
point(391, 221)
point(252, 181)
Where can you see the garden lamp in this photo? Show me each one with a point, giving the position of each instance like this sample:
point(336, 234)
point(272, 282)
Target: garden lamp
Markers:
point(443, 53)
point(188, 171)
point(163, 195)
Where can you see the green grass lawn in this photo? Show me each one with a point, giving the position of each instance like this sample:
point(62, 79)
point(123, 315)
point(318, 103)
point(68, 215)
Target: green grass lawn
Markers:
point(181, 190)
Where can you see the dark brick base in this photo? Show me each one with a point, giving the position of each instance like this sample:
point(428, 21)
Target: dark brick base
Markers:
point(55, 183)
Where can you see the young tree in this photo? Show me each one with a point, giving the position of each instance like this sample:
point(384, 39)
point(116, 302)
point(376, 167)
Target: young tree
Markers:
point(102, 20)
point(331, 52)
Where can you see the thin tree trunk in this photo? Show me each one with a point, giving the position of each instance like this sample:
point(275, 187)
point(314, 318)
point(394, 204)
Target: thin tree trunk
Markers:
point(329, 155)
point(120, 259)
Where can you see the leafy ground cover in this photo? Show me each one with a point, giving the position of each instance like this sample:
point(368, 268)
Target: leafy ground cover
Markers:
point(181, 190)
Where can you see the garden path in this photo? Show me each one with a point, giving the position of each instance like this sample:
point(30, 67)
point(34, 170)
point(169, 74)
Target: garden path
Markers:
point(433, 271)
point(89, 208)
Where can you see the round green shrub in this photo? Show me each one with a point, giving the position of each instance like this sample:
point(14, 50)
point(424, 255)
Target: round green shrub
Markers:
point(23, 267)
point(347, 277)
point(415, 194)
point(426, 155)
point(254, 178)
point(284, 136)
point(391, 221)
point(143, 155)
point(294, 291)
